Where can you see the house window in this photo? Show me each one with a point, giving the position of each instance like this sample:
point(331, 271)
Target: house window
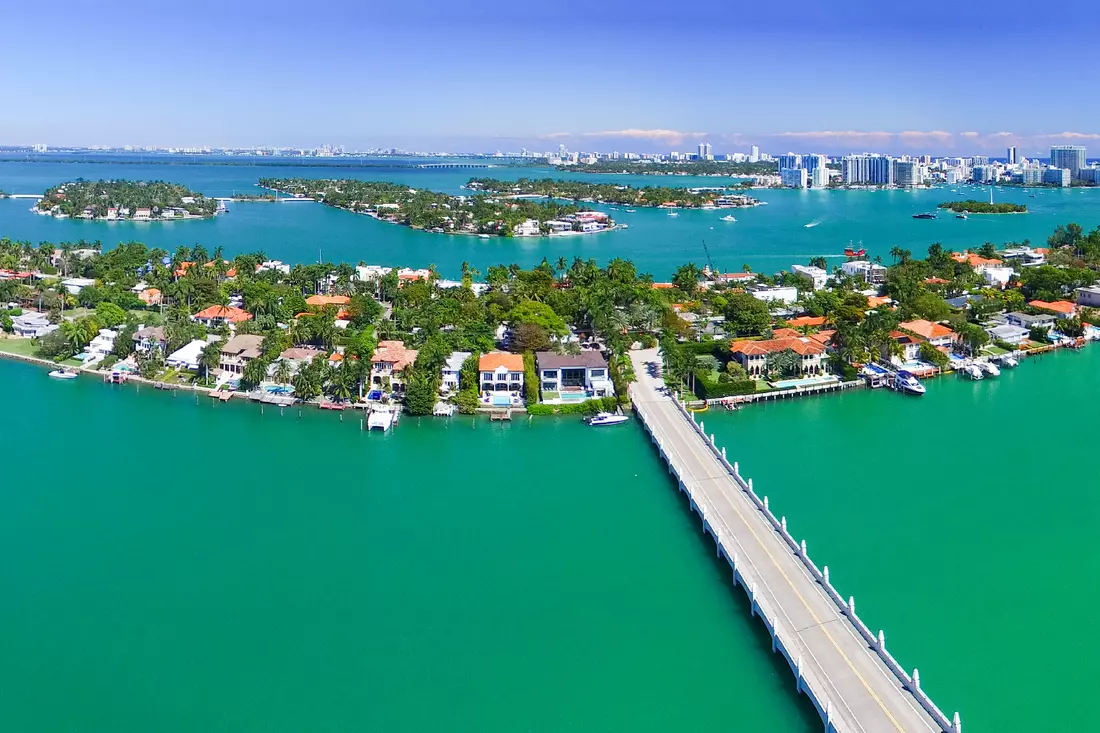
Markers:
point(549, 373)
point(597, 373)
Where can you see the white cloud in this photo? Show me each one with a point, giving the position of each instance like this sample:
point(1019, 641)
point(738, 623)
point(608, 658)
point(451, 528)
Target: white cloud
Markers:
point(969, 134)
point(667, 137)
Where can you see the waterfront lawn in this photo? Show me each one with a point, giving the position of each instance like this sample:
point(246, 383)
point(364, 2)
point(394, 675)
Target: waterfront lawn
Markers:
point(549, 396)
point(762, 386)
point(20, 346)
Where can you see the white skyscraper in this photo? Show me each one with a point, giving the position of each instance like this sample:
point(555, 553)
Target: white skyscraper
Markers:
point(820, 177)
point(754, 154)
point(704, 152)
point(1011, 155)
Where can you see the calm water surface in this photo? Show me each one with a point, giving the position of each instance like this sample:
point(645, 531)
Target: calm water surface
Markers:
point(794, 226)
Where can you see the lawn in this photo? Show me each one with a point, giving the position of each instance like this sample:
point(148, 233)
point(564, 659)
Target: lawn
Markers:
point(22, 347)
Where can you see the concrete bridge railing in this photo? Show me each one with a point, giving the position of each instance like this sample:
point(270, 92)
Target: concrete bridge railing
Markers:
point(876, 642)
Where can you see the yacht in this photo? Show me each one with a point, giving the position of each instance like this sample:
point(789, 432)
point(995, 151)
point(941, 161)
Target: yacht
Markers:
point(606, 418)
point(961, 216)
point(973, 371)
point(728, 217)
point(990, 368)
point(1009, 361)
point(630, 211)
point(908, 383)
point(673, 213)
point(63, 374)
point(926, 215)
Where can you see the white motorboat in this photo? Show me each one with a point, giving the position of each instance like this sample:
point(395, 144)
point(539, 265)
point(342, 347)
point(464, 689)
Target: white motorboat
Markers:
point(728, 217)
point(630, 211)
point(1009, 361)
point(673, 213)
point(63, 374)
point(973, 371)
point(606, 418)
point(908, 383)
point(990, 368)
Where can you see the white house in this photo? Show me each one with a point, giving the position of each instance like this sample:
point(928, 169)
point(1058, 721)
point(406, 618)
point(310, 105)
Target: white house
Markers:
point(187, 357)
point(452, 368)
point(32, 325)
point(102, 345)
point(1089, 297)
point(501, 378)
point(998, 277)
point(816, 275)
point(1009, 333)
point(775, 294)
point(75, 284)
point(869, 271)
point(526, 228)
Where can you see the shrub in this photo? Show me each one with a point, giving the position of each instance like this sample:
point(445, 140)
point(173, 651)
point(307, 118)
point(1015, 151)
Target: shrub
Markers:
point(709, 387)
point(588, 407)
point(530, 378)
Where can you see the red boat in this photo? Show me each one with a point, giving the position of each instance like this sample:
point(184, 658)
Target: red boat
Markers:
point(849, 252)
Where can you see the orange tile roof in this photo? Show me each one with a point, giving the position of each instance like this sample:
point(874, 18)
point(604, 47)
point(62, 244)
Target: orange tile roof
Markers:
point(935, 281)
point(803, 346)
point(905, 338)
point(336, 356)
point(322, 300)
point(780, 333)
point(395, 353)
point(149, 296)
point(875, 301)
point(926, 329)
point(233, 315)
point(662, 286)
point(1058, 306)
point(822, 337)
point(807, 321)
point(496, 359)
point(974, 260)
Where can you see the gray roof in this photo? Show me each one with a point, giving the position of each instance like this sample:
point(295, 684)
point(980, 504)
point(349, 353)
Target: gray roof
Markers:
point(587, 358)
point(245, 342)
point(456, 360)
point(1025, 318)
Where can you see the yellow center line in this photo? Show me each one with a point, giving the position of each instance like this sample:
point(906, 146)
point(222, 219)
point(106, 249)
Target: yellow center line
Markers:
point(815, 617)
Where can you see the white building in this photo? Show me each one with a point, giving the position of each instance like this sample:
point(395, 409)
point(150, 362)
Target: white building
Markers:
point(32, 325)
point(75, 284)
point(869, 271)
point(187, 357)
point(775, 294)
point(816, 275)
point(793, 177)
point(452, 369)
point(819, 177)
point(998, 277)
point(1089, 297)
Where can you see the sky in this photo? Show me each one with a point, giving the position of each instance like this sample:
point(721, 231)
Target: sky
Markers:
point(938, 77)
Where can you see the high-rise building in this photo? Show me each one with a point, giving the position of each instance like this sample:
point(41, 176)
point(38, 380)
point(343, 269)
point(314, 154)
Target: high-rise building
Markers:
point(981, 173)
point(979, 160)
point(793, 177)
point(790, 160)
point(1058, 176)
point(1011, 155)
point(864, 169)
point(1070, 157)
point(754, 154)
point(704, 152)
point(820, 177)
point(906, 173)
point(812, 162)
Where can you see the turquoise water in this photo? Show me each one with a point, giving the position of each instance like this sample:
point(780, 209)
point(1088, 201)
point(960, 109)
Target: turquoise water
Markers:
point(791, 228)
point(199, 567)
point(963, 522)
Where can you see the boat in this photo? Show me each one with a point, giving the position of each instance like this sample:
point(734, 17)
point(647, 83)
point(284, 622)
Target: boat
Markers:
point(381, 418)
point(850, 251)
point(961, 216)
point(673, 213)
point(926, 215)
point(605, 418)
point(908, 383)
point(972, 371)
point(728, 217)
point(990, 368)
point(63, 374)
point(1009, 361)
point(630, 211)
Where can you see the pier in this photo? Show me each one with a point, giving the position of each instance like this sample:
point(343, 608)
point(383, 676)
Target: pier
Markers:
point(844, 668)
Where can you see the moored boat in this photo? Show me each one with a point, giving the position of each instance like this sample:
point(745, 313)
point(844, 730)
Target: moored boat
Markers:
point(606, 418)
point(908, 383)
point(972, 371)
point(63, 373)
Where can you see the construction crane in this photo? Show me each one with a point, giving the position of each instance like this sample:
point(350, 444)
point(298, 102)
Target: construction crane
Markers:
point(710, 263)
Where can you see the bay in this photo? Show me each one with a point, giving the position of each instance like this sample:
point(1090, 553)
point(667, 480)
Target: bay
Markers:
point(178, 565)
point(791, 228)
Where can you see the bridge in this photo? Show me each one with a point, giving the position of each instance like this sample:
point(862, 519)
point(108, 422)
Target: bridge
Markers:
point(455, 165)
point(855, 684)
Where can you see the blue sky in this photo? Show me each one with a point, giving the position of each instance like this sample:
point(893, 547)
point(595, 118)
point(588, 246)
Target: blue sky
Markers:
point(936, 76)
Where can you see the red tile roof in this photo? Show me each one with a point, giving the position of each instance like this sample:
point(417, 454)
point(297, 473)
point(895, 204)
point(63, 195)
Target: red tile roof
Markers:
point(926, 329)
point(395, 353)
point(807, 321)
point(496, 359)
point(322, 300)
point(803, 346)
point(233, 315)
point(1063, 307)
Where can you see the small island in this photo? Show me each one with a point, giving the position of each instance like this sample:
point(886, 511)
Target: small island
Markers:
point(609, 193)
point(440, 213)
point(125, 201)
point(972, 206)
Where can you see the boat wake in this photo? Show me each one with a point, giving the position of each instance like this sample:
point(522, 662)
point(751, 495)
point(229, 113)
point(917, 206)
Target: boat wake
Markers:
point(813, 223)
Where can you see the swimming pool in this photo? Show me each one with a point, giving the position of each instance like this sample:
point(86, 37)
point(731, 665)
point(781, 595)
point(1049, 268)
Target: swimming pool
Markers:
point(573, 396)
point(805, 382)
point(501, 401)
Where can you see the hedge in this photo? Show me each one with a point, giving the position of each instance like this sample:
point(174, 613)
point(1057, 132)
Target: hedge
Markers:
point(589, 407)
point(710, 389)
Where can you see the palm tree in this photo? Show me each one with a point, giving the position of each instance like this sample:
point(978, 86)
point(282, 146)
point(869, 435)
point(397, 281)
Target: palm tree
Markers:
point(210, 357)
point(283, 373)
point(561, 266)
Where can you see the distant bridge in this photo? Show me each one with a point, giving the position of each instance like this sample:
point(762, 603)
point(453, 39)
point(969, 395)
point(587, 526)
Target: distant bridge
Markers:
point(24, 196)
point(455, 165)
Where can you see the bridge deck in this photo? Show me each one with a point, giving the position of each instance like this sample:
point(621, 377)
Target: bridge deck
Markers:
point(840, 671)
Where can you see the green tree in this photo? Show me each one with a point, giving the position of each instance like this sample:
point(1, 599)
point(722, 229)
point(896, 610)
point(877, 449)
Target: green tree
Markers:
point(210, 358)
point(421, 391)
point(746, 314)
point(686, 278)
point(109, 314)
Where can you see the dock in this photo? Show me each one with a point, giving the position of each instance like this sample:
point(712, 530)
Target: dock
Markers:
point(844, 668)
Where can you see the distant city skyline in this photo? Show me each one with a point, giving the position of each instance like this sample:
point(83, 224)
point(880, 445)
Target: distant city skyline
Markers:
point(635, 76)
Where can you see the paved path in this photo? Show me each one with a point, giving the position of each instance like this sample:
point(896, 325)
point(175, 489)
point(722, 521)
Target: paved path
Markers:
point(839, 669)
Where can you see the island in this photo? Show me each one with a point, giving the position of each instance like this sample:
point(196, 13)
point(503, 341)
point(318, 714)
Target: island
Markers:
point(125, 201)
point(675, 168)
point(972, 206)
point(609, 193)
point(255, 197)
point(440, 213)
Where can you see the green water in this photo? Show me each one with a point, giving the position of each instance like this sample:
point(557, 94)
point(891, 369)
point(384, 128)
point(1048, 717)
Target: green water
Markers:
point(963, 522)
point(173, 566)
